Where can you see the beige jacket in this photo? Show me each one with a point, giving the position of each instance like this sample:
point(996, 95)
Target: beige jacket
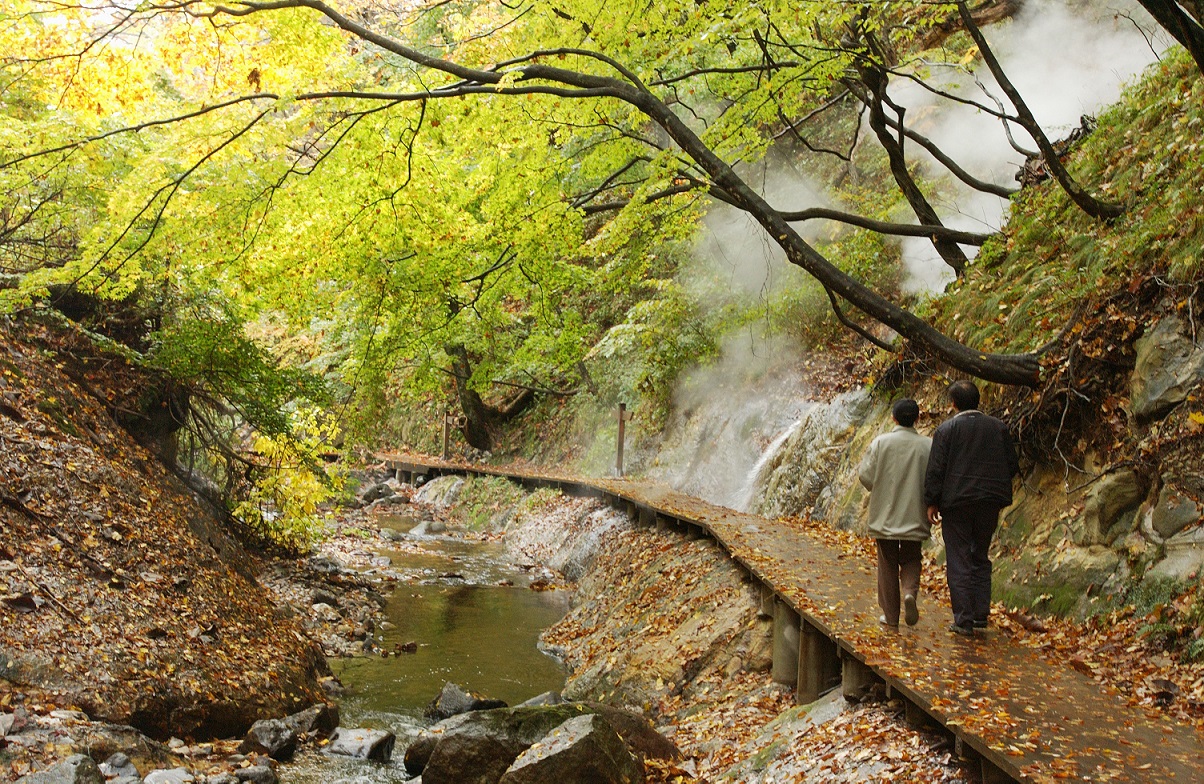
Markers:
point(893, 471)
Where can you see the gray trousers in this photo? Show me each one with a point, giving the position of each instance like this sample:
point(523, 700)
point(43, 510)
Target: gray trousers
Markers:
point(967, 531)
point(899, 563)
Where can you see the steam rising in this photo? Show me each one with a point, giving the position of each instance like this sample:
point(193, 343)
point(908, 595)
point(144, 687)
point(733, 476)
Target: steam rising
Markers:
point(1066, 58)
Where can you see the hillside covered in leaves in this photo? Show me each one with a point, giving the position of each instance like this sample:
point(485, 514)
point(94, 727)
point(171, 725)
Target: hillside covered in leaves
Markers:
point(120, 593)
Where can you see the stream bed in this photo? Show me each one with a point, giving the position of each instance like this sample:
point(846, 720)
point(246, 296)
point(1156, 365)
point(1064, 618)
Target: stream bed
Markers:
point(476, 623)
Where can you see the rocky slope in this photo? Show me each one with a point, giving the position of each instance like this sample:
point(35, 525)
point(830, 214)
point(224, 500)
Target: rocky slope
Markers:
point(119, 595)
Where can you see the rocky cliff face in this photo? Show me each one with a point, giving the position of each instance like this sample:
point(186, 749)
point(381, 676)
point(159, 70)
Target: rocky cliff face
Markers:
point(119, 595)
point(1089, 519)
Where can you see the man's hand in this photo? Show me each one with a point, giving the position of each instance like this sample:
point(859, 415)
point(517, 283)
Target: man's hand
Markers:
point(934, 515)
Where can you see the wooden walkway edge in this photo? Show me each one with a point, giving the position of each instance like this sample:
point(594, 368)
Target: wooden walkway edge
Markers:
point(1017, 715)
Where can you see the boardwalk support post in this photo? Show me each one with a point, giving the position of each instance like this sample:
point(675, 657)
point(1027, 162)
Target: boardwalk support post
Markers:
point(855, 677)
point(819, 665)
point(767, 600)
point(785, 644)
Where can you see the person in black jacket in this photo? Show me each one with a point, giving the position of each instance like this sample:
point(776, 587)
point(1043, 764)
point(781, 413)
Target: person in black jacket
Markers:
point(968, 482)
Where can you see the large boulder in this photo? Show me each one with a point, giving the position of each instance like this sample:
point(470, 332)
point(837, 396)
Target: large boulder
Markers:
point(1173, 512)
point(582, 749)
point(76, 769)
point(273, 737)
point(1110, 508)
point(454, 700)
point(1169, 364)
point(480, 746)
point(441, 492)
point(1184, 558)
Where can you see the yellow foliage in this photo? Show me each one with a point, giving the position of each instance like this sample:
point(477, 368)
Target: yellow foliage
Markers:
point(284, 503)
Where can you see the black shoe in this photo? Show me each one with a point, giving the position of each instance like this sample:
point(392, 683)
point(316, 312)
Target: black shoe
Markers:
point(965, 631)
point(911, 613)
point(981, 624)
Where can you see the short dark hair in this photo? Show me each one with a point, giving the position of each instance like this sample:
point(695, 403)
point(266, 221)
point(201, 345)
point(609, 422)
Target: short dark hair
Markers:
point(964, 395)
point(905, 411)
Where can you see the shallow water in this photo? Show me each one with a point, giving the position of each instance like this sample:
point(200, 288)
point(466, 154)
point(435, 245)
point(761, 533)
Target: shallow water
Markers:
point(470, 630)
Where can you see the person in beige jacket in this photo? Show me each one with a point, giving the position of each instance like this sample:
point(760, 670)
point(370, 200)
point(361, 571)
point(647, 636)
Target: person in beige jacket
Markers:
point(893, 471)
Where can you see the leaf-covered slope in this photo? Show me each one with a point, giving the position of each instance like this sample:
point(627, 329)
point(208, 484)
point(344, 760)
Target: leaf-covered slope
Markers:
point(118, 594)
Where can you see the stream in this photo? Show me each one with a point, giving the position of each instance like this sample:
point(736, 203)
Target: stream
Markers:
point(471, 629)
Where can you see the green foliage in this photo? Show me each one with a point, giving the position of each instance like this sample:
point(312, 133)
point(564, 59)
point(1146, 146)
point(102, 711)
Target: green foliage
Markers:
point(214, 356)
point(643, 355)
point(483, 499)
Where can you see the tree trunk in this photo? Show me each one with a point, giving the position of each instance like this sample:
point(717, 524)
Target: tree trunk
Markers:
point(874, 80)
point(1096, 208)
point(477, 416)
point(1180, 24)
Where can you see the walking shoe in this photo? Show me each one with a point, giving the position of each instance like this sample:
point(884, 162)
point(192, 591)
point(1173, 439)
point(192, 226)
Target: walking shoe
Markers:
point(965, 631)
point(980, 624)
point(911, 613)
point(882, 620)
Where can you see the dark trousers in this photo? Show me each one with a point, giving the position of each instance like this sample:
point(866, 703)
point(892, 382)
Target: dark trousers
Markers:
point(967, 531)
point(898, 574)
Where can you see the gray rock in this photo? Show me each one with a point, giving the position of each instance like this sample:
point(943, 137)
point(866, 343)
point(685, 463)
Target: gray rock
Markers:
point(547, 698)
point(119, 765)
point(1168, 366)
point(441, 492)
point(454, 700)
point(480, 746)
point(1083, 566)
point(273, 737)
point(584, 748)
point(76, 769)
point(1173, 512)
point(222, 778)
point(256, 774)
point(373, 492)
point(375, 745)
point(321, 596)
point(325, 564)
point(105, 740)
point(320, 719)
point(1106, 513)
point(1184, 556)
point(173, 776)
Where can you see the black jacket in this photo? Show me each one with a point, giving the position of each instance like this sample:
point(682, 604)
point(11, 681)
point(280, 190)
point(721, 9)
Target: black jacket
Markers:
point(972, 461)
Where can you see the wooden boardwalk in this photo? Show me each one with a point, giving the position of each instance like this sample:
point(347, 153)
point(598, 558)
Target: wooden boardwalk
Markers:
point(1019, 716)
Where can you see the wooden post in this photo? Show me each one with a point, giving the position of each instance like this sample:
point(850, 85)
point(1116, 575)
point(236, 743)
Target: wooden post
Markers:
point(785, 644)
point(855, 677)
point(819, 666)
point(623, 415)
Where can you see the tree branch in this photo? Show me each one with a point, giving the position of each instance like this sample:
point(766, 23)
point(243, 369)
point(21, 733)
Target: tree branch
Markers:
point(1096, 208)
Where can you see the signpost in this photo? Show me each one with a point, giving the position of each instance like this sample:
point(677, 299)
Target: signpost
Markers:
point(623, 415)
point(450, 420)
